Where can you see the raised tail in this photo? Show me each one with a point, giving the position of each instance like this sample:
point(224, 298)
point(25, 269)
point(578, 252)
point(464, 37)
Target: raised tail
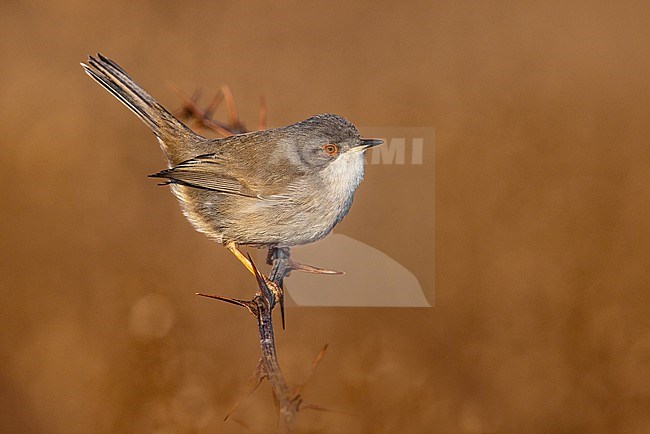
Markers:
point(178, 142)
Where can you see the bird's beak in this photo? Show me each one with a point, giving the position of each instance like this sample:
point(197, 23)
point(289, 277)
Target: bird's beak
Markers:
point(369, 143)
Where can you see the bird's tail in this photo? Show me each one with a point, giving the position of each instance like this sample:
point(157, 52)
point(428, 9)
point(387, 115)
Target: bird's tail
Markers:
point(174, 137)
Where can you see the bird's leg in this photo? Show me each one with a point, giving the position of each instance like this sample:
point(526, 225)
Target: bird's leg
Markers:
point(274, 287)
point(232, 246)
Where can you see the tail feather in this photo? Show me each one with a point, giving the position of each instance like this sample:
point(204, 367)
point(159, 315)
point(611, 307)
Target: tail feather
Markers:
point(175, 138)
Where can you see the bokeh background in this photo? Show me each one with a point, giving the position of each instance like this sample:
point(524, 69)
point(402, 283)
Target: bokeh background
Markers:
point(542, 175)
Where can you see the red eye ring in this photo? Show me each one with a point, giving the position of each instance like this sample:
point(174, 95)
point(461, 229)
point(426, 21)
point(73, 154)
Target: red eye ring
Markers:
point(330, 149)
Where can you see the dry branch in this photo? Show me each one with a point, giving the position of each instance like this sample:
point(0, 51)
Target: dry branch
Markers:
point(270, 292)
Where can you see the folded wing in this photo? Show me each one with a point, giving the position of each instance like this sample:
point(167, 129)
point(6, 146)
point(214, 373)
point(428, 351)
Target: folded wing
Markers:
point(206, 172)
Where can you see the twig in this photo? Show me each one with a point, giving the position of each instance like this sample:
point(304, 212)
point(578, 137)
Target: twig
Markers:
point(262, 123)
point(268, 295)
point(270, 290)
point(204, 117)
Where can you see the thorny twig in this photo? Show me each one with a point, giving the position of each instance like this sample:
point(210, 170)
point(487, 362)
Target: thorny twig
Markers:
point(204, 117)
point(270, 290)
point(268, 295)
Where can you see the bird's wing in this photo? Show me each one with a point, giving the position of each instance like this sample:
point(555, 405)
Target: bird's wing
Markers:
point(206, 172)
point(209, 172)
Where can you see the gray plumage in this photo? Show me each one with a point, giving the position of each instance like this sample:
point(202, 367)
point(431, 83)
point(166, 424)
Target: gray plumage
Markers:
point(283, 186)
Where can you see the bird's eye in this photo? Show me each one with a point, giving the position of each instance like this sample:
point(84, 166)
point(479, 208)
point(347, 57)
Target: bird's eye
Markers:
point(331, 149)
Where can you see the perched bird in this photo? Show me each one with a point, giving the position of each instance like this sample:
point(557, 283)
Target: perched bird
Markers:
point(278, 187)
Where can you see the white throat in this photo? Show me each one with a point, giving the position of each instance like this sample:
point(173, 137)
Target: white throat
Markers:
point(344, 174)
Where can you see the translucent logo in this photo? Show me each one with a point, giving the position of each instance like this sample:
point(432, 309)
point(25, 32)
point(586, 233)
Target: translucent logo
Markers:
point(402, 175)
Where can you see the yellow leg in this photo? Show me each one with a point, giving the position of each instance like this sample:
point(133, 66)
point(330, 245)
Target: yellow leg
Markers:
point(232, 246)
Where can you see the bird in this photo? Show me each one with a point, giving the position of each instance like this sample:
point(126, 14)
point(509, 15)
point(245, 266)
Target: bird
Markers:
point(274, 188)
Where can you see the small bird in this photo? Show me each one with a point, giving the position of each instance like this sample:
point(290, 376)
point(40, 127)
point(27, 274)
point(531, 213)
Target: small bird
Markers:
point(279, 187)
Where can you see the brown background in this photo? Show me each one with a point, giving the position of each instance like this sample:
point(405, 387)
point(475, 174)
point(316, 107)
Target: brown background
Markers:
point(542, 176)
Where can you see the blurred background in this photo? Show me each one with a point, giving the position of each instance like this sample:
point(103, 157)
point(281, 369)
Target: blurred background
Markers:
point(542, 172)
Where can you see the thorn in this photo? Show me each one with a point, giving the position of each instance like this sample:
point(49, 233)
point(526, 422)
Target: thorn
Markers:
point(187, 102)
point(282, 307)
point(253, 383)
point(269, 289)
point(309, 406)
point(232, 108)
point(262, 281)
point(252, 308)
point(293, 265)
point(212, 107)
point(244, 425)
point(298, 389)
point(319, 357)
